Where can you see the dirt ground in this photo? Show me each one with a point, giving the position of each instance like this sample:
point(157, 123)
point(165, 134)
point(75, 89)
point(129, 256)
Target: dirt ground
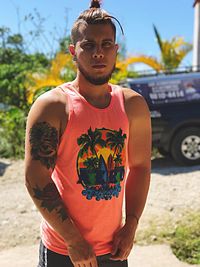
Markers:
point(173, 190)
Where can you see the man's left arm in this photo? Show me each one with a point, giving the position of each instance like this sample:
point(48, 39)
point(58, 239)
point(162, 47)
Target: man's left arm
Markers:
point(138, 180)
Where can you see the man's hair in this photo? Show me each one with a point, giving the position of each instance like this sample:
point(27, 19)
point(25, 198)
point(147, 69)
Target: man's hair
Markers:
point(94, 15)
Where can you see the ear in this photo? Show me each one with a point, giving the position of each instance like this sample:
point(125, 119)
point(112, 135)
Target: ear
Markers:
point(116, 49)
point(72, 49)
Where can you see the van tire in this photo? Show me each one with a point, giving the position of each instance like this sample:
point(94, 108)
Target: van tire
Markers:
point(185, 146)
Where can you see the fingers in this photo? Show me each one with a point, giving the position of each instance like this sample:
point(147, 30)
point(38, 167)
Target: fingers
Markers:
point(94, 263)
point(117, 256)
point(89, 263)
point(122, 245)
point(126, 255)
point(115, 246)
point(121, 255)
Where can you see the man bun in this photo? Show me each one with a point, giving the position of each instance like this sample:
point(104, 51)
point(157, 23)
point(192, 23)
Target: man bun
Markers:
point(95, 4)
point(93, 15)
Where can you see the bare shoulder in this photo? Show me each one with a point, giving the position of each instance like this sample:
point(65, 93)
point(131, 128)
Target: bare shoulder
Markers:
point(54, 97)
point(131, 95)
point(50, 104)
point(135, 104)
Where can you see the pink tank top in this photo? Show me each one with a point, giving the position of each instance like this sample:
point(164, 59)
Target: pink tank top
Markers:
point(91, 170)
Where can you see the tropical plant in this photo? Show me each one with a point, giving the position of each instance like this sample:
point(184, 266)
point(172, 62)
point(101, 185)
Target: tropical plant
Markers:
point(62, 69)
point(12, 132)
point(14, 65)
point(172, 53)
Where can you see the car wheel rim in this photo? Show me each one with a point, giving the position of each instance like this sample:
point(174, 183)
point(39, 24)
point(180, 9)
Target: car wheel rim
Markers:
point(190, 147)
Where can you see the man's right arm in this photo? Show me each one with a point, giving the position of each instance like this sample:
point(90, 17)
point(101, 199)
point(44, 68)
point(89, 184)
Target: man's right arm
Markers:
point(41, 146)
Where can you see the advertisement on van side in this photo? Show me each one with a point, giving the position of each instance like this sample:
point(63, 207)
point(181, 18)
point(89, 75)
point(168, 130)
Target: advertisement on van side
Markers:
point(168, 91)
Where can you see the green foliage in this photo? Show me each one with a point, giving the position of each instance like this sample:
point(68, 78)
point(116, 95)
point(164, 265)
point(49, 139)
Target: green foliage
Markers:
point(14, 66)
point(16, 62)
point(120, 75)
point(186, 239)
point(64, 44)
point(40, 92)
point(132, 74)
point(16, 40)
point(183, 235)
point(12, 133)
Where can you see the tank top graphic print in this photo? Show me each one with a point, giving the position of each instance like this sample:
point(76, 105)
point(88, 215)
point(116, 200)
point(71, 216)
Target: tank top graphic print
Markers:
point(100, 163)
point(91, 170)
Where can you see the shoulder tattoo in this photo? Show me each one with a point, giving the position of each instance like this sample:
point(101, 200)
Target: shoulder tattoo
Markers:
point(44, 142)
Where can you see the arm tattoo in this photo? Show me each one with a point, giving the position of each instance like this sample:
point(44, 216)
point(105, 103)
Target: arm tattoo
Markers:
point(44, 141)
point(51, 200)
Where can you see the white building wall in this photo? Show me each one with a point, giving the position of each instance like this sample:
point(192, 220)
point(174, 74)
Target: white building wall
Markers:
point(196, 41)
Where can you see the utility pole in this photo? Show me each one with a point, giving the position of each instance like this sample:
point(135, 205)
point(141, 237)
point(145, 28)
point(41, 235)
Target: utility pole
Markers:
point(196, 40)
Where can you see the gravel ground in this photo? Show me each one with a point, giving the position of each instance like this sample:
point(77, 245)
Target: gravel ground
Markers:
point(173, 191)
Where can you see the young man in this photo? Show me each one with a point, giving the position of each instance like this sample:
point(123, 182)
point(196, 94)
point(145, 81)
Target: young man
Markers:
point(87, 142)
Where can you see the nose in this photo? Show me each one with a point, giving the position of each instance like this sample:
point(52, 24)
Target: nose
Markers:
point(98, 53)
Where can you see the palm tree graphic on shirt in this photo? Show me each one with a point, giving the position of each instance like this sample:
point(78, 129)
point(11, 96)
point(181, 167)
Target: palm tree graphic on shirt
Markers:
point(100, 161)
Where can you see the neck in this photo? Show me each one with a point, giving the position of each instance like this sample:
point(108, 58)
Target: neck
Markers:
point(97, 95)
point(87, 89)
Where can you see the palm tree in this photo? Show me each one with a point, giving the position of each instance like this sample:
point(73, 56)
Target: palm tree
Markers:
point(89, 141)
point(118, 160)
point(172, 54)
point(62, 69)
point(148, 60)
point(115, 139)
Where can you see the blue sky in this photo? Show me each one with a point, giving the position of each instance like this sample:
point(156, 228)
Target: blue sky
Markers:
point(172, 18)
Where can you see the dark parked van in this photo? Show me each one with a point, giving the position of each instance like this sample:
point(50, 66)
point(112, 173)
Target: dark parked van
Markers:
point(174, 102)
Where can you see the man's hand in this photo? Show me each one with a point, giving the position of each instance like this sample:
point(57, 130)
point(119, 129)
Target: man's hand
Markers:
point(123, 241)
point(82, 254)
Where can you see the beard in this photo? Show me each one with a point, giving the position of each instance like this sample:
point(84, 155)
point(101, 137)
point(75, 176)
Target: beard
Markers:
point(92, 79)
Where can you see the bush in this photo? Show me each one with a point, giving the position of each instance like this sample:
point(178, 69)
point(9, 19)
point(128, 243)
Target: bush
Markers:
point(186, 239)
point(12, 133)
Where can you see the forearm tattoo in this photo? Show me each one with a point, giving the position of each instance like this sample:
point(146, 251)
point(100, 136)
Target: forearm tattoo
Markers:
point(44, 142)
point(51, 200)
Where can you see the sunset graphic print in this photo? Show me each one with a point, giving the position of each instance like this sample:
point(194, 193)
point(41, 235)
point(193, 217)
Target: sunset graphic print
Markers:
point(100, 163)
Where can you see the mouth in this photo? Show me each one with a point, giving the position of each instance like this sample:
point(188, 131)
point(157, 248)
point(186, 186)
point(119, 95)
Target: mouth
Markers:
point(98, 66)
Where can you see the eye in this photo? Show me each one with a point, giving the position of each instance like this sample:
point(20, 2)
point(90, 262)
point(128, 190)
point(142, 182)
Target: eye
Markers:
point(107, 44)
point(88, 45)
